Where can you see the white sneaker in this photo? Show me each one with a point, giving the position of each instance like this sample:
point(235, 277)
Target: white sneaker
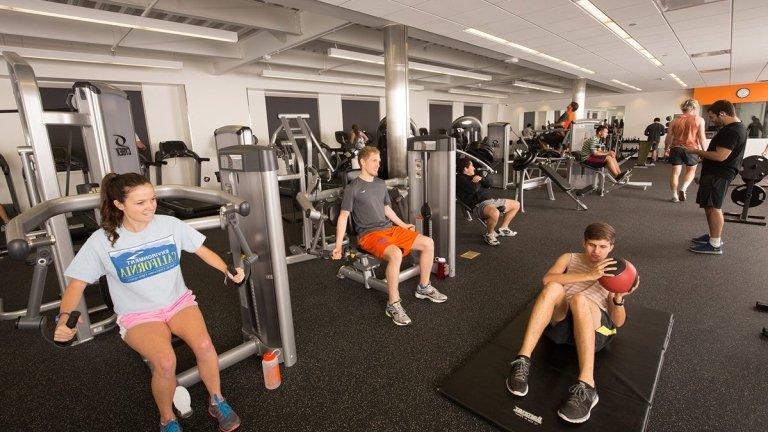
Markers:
point(397, 313)
point(490, 239)
point(675, 198)
point(506, 232)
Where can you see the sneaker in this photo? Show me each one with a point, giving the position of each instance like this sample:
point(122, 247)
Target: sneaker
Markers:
point(517, 381)
point(491, 239)
point(506, 232)
point(703, 240)
point(623, 175)
point(431, 293)
point(171, 426)
point(221, 411)
point(650, 164)
point(675, 197)
point(706, 248)
point(579, 405)
point(397, 313)
point(681, 194)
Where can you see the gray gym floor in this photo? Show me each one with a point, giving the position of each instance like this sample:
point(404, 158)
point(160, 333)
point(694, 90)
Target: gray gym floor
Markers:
point(358, 371)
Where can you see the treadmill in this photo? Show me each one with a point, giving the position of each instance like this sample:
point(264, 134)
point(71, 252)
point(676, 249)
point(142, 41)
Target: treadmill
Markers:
point(183, 208)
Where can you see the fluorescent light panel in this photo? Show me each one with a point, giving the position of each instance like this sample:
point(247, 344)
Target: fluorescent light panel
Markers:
point(77, 57)
point(531, 51)
point(533, 86)
point(616, 29)
point(477, 93)
point(376, 59)
point(58, 10)
point(626, 85)
point(267, 73)
point(679, 81)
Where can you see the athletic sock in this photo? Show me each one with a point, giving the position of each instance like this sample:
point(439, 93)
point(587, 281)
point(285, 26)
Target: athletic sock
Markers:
point(715, 241)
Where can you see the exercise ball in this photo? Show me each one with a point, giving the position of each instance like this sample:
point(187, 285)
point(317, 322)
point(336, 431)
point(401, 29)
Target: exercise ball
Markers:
point(623, 279)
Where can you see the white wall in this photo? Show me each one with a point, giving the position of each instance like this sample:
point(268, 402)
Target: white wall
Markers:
point(190, 104)
point(639, 109)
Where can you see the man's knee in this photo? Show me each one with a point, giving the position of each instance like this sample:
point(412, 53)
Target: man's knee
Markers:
point(393, 254)
point(423, 243)
point(492, 212)
point(512, 205)
point(579, 301)
point(553, 291)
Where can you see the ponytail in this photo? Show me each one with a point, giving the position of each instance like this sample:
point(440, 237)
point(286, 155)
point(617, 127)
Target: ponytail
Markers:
point(115, 187)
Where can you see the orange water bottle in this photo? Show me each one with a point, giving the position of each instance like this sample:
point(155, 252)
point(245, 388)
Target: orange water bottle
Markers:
point(271, 367)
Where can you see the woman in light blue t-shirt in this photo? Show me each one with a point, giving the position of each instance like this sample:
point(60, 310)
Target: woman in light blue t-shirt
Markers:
point(139, 252)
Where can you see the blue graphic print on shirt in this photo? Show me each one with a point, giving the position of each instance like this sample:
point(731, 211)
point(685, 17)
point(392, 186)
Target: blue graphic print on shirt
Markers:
point(145, 260)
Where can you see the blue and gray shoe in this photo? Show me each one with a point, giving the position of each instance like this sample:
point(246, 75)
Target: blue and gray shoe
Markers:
point(706, 248)
point(223, 413)
point(701, 239)
point(171, 426)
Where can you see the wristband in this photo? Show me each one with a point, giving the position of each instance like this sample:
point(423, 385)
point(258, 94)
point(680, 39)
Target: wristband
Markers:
point(617, 304)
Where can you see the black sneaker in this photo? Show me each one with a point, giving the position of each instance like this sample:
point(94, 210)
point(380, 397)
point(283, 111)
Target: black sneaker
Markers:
point(517, 381)
point(622, 175)
point(579, 405)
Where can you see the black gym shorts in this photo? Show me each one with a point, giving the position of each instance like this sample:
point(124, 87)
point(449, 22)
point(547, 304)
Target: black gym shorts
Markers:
point(678, 156)
point(712, 191)
point(562, 332)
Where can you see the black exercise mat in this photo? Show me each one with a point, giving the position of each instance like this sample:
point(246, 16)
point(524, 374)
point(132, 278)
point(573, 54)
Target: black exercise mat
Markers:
point(626, 373)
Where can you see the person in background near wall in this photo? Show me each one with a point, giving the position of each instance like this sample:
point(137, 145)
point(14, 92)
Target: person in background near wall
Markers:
point(357, 137)
point(654, 132)
point(685, 132)
point(528, 132)
point(721, 162)
point(755, 128)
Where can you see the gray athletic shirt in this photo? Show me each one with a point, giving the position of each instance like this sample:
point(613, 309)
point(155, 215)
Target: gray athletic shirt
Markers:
point(368, 200)
point(142, 268)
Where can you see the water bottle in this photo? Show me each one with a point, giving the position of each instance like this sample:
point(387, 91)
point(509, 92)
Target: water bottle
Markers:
point(271, 367)
point(442, 268)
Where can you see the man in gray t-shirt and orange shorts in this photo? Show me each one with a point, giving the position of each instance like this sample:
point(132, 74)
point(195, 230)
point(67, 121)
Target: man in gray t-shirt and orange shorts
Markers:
point(367, 200)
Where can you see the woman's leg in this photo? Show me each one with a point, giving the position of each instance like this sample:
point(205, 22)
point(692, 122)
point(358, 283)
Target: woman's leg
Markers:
point(676, 169)
point(189, 325)
point(153, 341)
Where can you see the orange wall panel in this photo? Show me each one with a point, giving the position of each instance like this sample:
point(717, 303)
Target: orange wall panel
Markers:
point(758, 92)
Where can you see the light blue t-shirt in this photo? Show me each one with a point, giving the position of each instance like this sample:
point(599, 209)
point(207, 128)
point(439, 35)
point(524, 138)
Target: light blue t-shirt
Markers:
point(142, 268)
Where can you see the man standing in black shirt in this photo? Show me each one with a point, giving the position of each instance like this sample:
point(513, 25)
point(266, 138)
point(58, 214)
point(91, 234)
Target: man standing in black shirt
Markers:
point(654, 132)
point(472, 190)
point(721, 163)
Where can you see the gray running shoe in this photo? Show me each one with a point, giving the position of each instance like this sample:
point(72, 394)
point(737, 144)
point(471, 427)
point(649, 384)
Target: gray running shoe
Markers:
point(579, 405)
point(517, 381)
point(397, 313)
point(431, 293)
point(491, 239)
point(223, 413)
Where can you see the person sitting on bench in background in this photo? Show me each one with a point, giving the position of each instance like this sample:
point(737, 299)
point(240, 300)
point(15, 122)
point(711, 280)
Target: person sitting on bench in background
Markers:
point(573, 308)
point(367, 199)
point(472, 190)
point(595, 155)
point(554, 140)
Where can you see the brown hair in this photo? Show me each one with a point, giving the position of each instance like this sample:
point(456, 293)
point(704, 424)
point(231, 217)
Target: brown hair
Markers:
point(723, 106)
point(600, 129)
point(366, 152)
point(115, 187)
point(600, 231)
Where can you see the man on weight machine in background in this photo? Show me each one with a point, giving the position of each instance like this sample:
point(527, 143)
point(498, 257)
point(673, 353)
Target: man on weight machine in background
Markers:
point(366, 198)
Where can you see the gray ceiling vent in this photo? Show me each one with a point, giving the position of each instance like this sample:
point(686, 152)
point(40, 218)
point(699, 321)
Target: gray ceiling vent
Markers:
point(673, 5)
point(710, 53)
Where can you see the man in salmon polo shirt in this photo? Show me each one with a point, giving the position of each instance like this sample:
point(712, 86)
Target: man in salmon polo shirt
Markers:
point(367, 200)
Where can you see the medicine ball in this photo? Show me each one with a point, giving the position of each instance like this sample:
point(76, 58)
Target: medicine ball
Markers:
point(623, 279)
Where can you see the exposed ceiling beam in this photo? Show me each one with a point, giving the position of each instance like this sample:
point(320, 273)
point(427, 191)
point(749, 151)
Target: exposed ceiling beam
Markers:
point(266, 44)
point(40, 28)
point(246, 13)
point(61, 11)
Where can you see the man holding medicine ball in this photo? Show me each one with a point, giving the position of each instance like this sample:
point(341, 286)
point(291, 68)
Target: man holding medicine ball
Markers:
point(574, 308)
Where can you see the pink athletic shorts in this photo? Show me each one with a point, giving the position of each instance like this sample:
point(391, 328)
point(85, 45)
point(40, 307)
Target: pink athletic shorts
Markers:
point(163, 315)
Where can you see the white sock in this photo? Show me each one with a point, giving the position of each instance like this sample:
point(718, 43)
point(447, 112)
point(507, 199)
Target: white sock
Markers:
point(715, 241)
point(674, 194)
point(684, 188)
